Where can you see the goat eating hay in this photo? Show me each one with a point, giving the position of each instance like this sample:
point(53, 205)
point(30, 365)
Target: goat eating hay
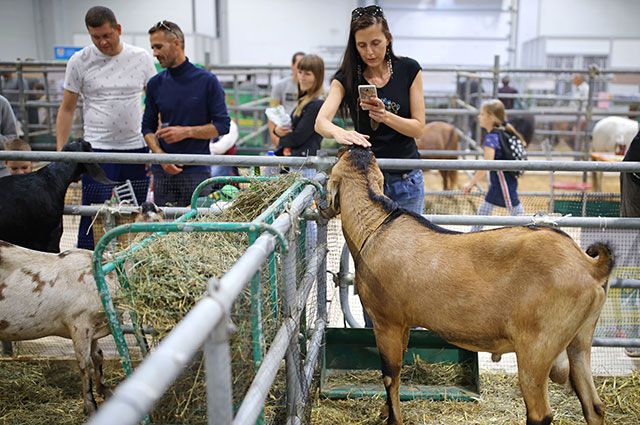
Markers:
point(497, 291)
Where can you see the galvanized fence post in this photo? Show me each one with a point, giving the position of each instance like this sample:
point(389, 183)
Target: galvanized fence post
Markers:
point(585, 140)
point(289, 278)
point(217, 360)
point(496, 76)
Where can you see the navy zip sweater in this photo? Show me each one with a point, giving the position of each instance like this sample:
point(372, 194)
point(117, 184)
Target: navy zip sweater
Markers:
point(188, 96)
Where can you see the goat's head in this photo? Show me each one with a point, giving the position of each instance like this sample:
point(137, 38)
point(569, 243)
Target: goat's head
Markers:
point(149, 213)
point(93, 169)
point(353, 162)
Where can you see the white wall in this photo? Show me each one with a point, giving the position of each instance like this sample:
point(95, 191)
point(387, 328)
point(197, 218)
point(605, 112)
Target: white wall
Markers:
point(269, 32)
point(30, 29)
point(262, 32)
point(450, 36)
point(590, 18)
point(17, 30)
point(625, 54)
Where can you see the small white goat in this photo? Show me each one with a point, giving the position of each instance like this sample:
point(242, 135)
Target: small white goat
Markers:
point(44, 294)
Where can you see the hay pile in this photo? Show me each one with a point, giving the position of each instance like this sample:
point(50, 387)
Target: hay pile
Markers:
point(170, 275)
point(500, 404)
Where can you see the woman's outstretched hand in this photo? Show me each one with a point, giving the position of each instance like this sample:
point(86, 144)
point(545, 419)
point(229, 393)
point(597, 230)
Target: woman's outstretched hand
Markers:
point(345, 137)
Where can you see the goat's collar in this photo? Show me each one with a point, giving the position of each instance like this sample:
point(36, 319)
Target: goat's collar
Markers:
point(375, 229)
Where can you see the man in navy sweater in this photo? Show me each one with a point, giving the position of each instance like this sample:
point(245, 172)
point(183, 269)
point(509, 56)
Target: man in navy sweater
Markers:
point(185, 109)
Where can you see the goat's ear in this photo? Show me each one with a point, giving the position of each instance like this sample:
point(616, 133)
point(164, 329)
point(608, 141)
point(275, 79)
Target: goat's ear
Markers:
point(86, 146)
point(97, 173)
point(342, 150)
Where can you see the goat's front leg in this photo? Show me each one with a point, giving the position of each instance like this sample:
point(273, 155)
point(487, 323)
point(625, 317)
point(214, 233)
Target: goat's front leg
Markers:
point(390, 342)
point(82, 348)
point(98, 375)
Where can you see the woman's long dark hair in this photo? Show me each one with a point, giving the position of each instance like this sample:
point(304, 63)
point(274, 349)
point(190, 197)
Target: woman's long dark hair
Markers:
point(352, 62)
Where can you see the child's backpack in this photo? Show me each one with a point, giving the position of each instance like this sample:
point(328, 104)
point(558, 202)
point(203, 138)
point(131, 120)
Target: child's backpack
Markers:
point(513, 149)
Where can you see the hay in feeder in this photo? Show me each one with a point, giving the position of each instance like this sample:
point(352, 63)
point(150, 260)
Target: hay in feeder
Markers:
point(170, 275)
point(500, 403)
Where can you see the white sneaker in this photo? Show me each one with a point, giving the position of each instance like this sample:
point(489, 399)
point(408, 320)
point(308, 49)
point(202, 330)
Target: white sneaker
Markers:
point(632, 352)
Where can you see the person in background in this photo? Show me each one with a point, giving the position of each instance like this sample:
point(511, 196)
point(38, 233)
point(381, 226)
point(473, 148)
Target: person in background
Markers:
point(580, 92)
point(285, 93)
point(503, 186)
point(388, 123)
point(301, 139)
point(11, 91)
point(508, 102)
point(110, 76)
point(190, 103)
point(8, 130)
point(18, 166)
point(225, 145)
point(630, 207)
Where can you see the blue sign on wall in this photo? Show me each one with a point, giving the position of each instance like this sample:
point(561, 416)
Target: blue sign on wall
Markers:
point(64, 52)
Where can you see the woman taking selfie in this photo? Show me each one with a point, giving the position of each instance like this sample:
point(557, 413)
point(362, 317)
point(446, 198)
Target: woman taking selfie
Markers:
point(388, 121)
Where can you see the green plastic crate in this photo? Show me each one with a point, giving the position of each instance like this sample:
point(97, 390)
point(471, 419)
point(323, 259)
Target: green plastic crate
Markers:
point(594, 208)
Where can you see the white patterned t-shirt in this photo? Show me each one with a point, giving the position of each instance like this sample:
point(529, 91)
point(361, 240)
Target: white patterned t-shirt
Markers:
point(111, 88)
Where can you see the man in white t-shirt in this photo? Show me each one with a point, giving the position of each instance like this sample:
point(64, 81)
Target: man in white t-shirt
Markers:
point(110, 76)
point(285, 93)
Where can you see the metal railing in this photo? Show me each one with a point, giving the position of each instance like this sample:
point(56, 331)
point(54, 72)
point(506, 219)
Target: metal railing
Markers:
point(207, 325)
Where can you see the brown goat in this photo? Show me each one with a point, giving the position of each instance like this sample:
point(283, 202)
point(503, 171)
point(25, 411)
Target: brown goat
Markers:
point(497, 291)
point(440, 135)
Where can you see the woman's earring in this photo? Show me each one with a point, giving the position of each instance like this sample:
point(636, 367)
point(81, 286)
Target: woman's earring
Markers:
point(389, 64)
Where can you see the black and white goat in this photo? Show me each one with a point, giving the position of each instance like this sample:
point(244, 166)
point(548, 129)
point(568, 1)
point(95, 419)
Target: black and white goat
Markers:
point(31, 205)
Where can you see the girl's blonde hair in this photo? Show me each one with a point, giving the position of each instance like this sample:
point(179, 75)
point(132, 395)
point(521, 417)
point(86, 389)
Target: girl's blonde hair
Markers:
point(495, 108)
point(315, 64)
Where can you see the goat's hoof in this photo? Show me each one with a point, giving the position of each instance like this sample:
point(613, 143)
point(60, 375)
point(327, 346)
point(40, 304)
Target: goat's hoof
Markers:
point(384, 412)
point(105, 392)
point(90, 407)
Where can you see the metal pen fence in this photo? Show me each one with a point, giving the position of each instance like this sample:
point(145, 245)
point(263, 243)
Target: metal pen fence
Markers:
point(249, 87)
point(207, 325)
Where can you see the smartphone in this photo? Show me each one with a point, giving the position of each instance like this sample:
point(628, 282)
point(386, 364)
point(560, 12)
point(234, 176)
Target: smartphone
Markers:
point(367, 91)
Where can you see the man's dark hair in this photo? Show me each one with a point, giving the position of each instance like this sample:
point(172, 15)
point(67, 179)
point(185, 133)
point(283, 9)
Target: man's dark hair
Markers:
point(97, 16)
point(295, 55)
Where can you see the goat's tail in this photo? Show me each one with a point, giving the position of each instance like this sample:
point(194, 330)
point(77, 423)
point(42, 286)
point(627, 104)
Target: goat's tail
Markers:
point(605, 259)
